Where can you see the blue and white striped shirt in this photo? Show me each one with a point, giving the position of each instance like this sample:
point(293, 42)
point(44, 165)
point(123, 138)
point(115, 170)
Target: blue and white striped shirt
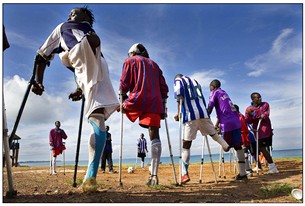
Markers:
point(193, 106)
point(142, 145)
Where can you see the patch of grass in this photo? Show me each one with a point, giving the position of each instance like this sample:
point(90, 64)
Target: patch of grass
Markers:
point(23, 166)
point(157, 187)
point(78, 181)
point(275, 189)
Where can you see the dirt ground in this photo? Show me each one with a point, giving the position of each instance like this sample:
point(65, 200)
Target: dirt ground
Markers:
point(35, 185)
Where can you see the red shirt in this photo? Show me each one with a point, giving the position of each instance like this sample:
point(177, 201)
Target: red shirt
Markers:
point(244, 130)
point(265, 129)
point(144, 81)
point(55, 137)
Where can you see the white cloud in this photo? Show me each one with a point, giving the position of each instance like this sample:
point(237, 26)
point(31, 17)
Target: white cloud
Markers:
point(22, 41)
point(37, 109)
point(256, 73)
point(40, 112)
point(279, 43)
point(286, 50)
point(205, 77)
point(38, 117)
point(285, 113)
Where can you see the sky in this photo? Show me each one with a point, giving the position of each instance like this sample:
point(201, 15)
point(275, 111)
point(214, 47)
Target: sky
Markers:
point(248, 47)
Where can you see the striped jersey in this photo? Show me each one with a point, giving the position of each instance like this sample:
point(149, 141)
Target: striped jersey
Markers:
point(193, 106)
point(144, 81)
point(142, 145)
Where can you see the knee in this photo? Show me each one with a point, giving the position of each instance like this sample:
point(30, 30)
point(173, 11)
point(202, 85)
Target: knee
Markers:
point(153, 133)
point(187, 144)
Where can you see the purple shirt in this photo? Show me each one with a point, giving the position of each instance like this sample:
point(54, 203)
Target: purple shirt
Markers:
point(225, 110)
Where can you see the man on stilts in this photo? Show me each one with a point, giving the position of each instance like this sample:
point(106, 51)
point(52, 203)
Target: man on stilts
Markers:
point(79, 48)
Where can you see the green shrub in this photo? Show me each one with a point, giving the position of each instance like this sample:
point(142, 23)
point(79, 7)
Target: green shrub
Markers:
point(275, 189)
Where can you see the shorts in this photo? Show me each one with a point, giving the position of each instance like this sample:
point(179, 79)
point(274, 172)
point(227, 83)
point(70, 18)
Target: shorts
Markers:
point(145, 119)
point(56, 152)
point(141, 154)
point(233, 138)
point(205, 126)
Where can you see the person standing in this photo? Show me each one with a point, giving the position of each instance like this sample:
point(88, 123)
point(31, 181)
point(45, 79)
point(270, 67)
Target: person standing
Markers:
point(259, 110)
point(229, 123)
point(147, 88)
point(246, 143)
point(195, 117)
point(79, 49)
point(107, 153)
point(57, 146)
point(142, 149)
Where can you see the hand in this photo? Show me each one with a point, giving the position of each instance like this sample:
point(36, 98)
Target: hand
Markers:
point(76, 95)
point(254, 130)
point(250, 111)
point(38, 89)
point(124, 96)
point(262, 116)
point(93, 40)
point(163, 115)
point(176, 117)
point(218, 130)
point(118, 109)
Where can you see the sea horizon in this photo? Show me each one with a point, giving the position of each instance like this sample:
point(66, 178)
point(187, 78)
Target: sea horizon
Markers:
point(228, 156)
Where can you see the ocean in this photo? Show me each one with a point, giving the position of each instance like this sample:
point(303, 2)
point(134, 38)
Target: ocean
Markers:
point(167, 160)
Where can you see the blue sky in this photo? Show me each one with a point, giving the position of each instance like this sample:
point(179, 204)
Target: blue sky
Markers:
point(248, 47)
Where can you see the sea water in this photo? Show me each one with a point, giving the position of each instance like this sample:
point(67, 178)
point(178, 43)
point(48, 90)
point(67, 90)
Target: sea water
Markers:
point(228, 156)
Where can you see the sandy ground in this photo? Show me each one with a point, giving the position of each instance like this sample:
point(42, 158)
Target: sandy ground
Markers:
point(36, 185)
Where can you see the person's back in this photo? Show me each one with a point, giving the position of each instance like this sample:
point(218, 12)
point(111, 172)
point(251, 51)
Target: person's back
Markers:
point(144, 83)
point(229, 121)
point(190, 90)
point(79, 49)
point(195, 117)
point(143, 93)
point(246, 143)
point(225, 110)
point(244, 130)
